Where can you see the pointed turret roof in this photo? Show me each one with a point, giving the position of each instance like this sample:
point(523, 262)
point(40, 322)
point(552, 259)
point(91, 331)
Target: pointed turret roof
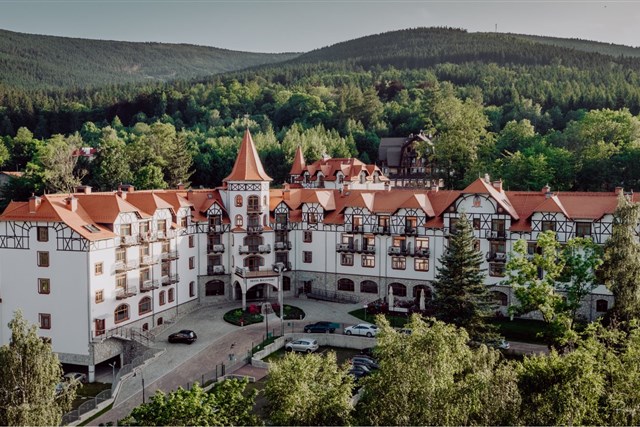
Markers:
point(248, 166)
point(298, 162)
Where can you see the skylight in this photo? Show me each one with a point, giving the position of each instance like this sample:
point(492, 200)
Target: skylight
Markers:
point(92, 228)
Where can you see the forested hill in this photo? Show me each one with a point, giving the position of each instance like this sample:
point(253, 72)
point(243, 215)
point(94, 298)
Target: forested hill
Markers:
point(48, 62)
point(585, 45)
point(425, 47)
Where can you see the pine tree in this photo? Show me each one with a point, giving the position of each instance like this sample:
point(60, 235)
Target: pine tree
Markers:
point(461, 296)
point(29, 372)
point(621, 267)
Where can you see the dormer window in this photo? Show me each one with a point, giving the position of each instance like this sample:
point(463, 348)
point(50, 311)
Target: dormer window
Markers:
point(363, 178)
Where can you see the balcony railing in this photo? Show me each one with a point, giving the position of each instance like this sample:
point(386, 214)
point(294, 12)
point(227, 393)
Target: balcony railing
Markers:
point(422, 253)
point(215, 229)
point(497, 256)
point(171, 255)
point(254, 249)
point(215, 249)
point(253, 229)
point(166, 234)
point(281, 246)
point(282, 226)
point(410, 230)
point(355, 247)
point(213, 270)
point(148, 237)
point(256, 272)
point(149, 260)
point(345, 247)
point(149, 285)
point(494, 234)
point(170, 279)
point(129, 291)
point(128, 240)
point(382, 229)
point(398, 250)
point(120, 266)
point(255, 208)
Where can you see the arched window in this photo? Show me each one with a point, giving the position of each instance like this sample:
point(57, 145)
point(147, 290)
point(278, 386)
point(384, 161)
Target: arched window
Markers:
point(254, 262)
point(144, 306)
point(192, 289)
point(602, 305)
point(160, 321)
point(368, 287)
point(399, 290)
point(162, 298)
point(500, 298)
point(253, 204)
point(426, 290)
point(145, 326)
point(171, 296)
point(213, 288)
point(238, 201)
point(239, 221)
point(346, 285)
point(121, 313)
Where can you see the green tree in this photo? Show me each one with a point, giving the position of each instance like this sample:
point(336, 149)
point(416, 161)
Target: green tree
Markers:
point(432, 377)
point(4, 153)
point(111, 166)
point(228, 403)
point(461, 296)
point(54, 164)
point(621, 266)
point(179, 162)
point(309, 390)
point(149, 177)
point(29, 372)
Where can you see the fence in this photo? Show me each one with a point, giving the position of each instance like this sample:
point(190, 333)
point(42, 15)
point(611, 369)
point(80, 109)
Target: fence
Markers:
point(325, 295)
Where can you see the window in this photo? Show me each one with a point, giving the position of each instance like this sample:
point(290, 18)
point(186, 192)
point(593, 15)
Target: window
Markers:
point(602, 305)
point(143, 227)
point(422, 243)
point(192, 241)
point(286, 283)
point(98, 268)
point(477, 202)
point(43, 234)
point(583, 229)
point(239, 221)
point(307, 237)
point(426, 291)
point(162, 298)
point(145, 250)
point(144, 306)
point(162, 225)
point(368, 243)
point(500, 298)
point(99, 326)
point(121, 281)
point(356, 220)
point(548, 226)
point(399, 290)
point(496, 269)
point(166, 247)
point(531, 248)
point(192, 289)
point(121, 255)
point(121, 313)
point(398, 263)
point(184, 222)
point(497, 228)
point(346, 285)
point(368, 261)
point(171, 295)
point(214, 288)
point(307, 257)
point(476, 223)
point(125, 229)
point(99, 297)
point(421, 264)
point(145, 274)
point(238, 201)
point(253, 204)
point(368, 287)
point(192, 262)
point(313, 219)
point(45, 320)
point(44, 286)
point(43, 259)
point(346, 259)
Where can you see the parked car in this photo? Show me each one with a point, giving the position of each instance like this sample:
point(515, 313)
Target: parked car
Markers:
point(365, 361)
point(303, 345)
point(321, 327)
point(77, 376)
point(359, 371)
point(367, 352)
point(363, 329)
point(185, 336)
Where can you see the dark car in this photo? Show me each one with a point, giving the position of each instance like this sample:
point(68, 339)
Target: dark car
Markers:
point(359, 370)
point(320, 327)
point(369, 363)
point(367, 352)
point(185, 336)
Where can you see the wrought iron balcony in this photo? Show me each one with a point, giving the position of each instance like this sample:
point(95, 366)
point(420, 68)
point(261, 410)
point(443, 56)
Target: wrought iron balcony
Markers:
point(149, 285)
point(149, 260)
point(496, 235)
point(126, 292)
point(398, 250)
point(255, 229)
point(497, 256)
point(215, 229)
point(421, 253)
point(410, 230)
point(345, 247)
point(355, 228)
point(171, 255)
point(213, 270)
point(382, 229)
point(254, 249)
point(121, 266)
point(148, 237)
point(166, 234)
point(129, 240)
point(256, 209)
point(170, 279)
point(282, 226)
point(215, 248)
point(281, 246)
point(256, 272)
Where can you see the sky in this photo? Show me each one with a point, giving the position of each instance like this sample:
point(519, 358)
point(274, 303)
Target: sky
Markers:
point(300, 26)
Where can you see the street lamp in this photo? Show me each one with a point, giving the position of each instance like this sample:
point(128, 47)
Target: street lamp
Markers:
point(142, 377)
point(279, 267)
point(113, 371)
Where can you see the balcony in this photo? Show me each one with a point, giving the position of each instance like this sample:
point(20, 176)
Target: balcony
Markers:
point(170, 279)
point(255, 209)
point(215, 229)
point(496, 256)
point(255, 249)
point(129, 291)
point(398, 250)
point(148, 237)
point(422, 253)
point(282, 226)
point(382, 229)
point(215, 248)
point(149, 285)
point(129, 240)
point(166, 234)
point(282, 246)
point(245, 272)
point(410, 230)
point(255, 229)
point(170, 256)
point(345, 247)
point(149, 260)
point(121, 266)
point(213, 270)
point(495, 235)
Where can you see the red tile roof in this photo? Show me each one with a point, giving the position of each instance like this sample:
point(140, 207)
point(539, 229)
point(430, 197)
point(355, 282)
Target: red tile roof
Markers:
point(248, 166)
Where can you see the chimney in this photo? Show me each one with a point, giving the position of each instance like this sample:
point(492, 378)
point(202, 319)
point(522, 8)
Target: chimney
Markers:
point(286, 193)
point(434, 188)
point(180, 186)
point(487, 179)
point(126, 188)
point(122, 194)
point(387, 186)
point(345, 189)
point(546, 189)
point(83, 189)
point(34, 203)
point(497, 185)
point(189, 194)
point(71, 203)
point(619, 190)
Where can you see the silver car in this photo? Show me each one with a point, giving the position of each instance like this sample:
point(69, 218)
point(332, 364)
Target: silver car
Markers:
point(303, 345)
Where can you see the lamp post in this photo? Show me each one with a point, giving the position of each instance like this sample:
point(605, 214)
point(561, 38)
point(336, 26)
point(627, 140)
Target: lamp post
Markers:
point(113, 372)
point(279, 267)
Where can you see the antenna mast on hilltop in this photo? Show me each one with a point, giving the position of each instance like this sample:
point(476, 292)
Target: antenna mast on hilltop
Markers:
point(496, 28)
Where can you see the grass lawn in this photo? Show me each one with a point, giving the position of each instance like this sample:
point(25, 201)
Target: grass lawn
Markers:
point(524, 330)
point(88, 391)
point(395, 321)
point(238, 317)
point(342, 354)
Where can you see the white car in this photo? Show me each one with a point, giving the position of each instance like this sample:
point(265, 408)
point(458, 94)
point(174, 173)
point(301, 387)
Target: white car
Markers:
point(363, 329)
point(81, 378)
point(304, 345)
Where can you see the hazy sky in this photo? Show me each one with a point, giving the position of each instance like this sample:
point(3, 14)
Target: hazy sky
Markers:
point(298, 25)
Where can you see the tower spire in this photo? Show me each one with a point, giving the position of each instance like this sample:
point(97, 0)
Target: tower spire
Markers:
point(248, 166)
point(298, 162)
